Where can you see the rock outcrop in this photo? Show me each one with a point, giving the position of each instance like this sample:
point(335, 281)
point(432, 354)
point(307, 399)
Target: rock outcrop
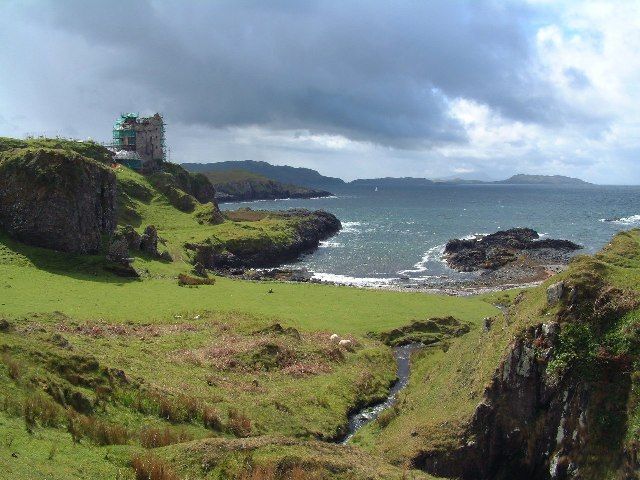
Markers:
point(556, 406)
point(501, 248)
point(56, 199)
point(183, 189)
point(309, 228)
point(531, 423)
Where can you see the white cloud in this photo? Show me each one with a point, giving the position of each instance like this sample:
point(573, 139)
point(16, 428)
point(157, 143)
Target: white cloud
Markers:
point(555, 89)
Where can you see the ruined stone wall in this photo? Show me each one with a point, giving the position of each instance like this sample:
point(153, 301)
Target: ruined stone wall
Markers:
point(149, 133)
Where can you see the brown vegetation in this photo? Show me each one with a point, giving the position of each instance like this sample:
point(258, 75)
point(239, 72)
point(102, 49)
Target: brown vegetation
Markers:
point(150, 467)
point(238, 424)
point(152, 437)
point(188, 280)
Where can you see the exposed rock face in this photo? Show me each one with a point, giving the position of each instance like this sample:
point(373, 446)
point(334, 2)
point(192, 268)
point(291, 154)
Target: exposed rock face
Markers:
point(132, 237)
point(554, 293)
point(195, 184)
point(535, 423)
point(56, 199)
point(500, 248)
point(133, 241)
point(310, 229)
point(149, 240)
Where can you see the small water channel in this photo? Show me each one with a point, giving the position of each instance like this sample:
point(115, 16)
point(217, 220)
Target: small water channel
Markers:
point(361, 418)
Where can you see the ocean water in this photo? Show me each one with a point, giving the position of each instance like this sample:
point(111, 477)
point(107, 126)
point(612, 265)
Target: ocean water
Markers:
point(397, 235)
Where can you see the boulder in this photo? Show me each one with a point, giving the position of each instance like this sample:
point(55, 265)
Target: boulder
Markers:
point(133, 238)
point(56, 199)
point(149, 241)
point(554, 293)
point(118, 250)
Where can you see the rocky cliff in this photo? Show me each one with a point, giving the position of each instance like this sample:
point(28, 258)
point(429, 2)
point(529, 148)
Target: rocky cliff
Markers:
point(56, 199)
point(305, 231)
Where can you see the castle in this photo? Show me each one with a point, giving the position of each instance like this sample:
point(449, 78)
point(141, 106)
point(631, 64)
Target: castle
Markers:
point(139, 141)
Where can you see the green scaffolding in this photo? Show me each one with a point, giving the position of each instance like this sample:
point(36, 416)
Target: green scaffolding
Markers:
point(122, 130)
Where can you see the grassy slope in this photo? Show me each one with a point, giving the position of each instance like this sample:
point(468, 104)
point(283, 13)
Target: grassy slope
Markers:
point(162, 336)
point(445, 387)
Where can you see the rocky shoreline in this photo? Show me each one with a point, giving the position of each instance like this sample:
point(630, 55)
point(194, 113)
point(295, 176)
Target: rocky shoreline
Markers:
point(515, 258)
point(222, 197)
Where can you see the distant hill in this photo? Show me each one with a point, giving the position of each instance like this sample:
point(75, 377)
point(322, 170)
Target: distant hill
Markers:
point(519, 179)
point(309, 178)
point(523, 179)
point(304, 177)
point(241, 185)
point(391, 182)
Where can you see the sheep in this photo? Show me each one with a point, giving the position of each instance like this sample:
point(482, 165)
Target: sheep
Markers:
point(335, 337)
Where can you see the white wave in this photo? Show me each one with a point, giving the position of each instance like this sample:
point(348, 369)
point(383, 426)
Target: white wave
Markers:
point(350, 227)
point(321, 198)
point(630, 220)
point(434, 254)
point(473, 236)
point(356, 281)
point(328, 244)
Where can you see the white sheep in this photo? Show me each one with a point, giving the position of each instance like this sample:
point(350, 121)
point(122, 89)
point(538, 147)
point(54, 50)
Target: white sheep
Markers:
point(335, 337)
point(344, 343)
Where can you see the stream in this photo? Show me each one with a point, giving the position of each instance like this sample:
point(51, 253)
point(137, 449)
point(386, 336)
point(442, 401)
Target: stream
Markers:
point(368, 414)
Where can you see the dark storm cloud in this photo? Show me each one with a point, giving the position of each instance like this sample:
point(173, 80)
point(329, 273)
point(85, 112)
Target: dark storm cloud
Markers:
point(374, 71)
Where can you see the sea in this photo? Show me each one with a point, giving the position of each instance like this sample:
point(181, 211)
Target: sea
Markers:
point(396, 236)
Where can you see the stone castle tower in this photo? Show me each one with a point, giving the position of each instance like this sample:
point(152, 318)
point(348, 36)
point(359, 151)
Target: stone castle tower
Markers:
point(139, 141)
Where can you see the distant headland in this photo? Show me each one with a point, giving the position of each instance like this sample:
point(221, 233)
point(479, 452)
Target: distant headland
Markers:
point(254, 180)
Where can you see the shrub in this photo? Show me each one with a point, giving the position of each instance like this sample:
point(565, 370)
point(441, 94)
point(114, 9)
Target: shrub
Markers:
point(387, 416)
point(238, 423)
point(38, 408)
point(98, 431)
point(184, 279)
point(211, 419)
point(151, 437)
point(150, 467)
point(14, 369)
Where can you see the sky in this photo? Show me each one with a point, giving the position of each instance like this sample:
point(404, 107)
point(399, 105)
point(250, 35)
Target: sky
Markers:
point(355, 89)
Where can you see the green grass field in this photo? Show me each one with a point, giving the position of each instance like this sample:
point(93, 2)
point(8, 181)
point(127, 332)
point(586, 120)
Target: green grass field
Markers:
point(107, 377)
point(95, 368)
